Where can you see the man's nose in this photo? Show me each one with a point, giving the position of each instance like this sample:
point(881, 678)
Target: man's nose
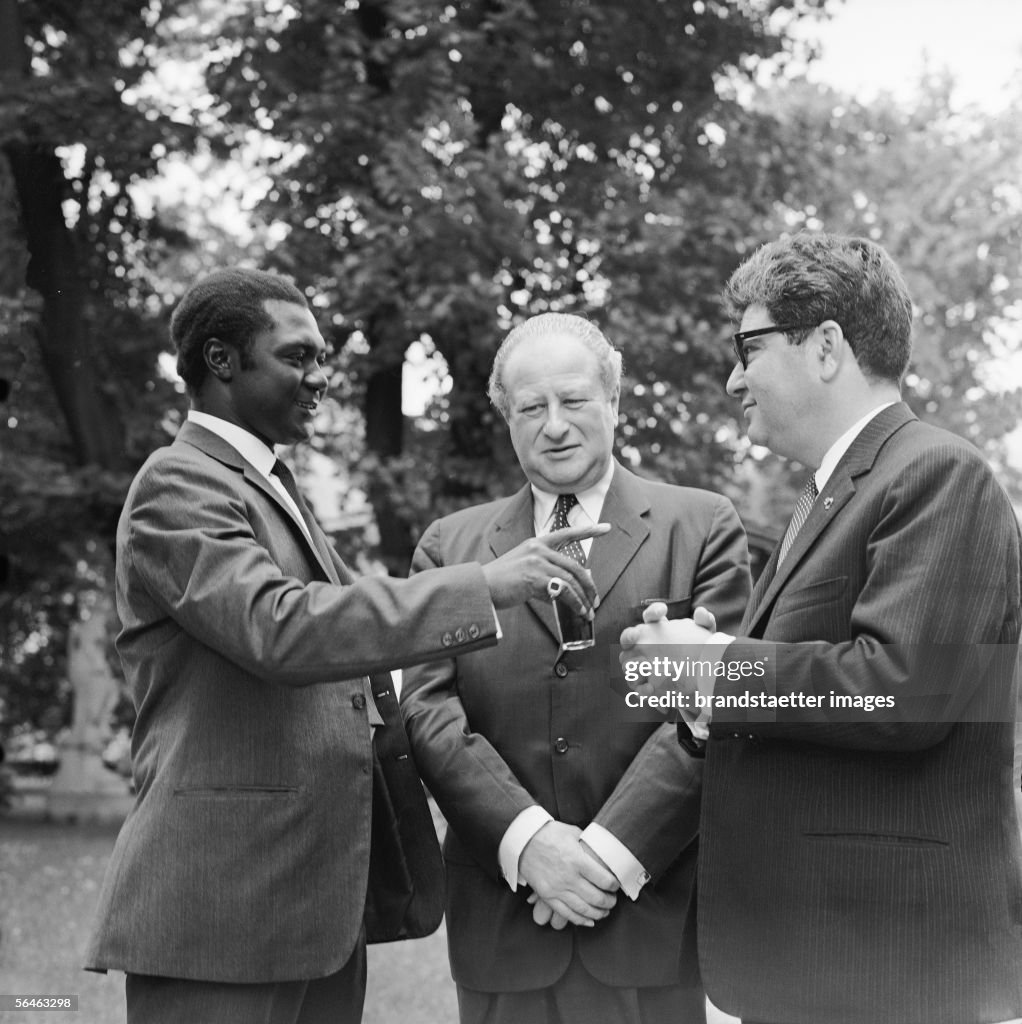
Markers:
point(736, 382)
point(316, 378)
point(556, 423)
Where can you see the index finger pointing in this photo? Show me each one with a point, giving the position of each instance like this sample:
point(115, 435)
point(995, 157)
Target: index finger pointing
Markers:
point(557, 538)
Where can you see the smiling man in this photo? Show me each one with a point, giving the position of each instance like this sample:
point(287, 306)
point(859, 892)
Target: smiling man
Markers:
point(571, 848)
point(278, 820)
point(859, 865)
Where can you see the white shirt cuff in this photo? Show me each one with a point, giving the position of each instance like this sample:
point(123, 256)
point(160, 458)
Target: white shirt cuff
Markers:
point(516, 838)
point(628, 871)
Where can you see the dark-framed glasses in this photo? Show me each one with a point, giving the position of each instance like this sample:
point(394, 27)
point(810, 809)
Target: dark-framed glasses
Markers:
point(738, 340)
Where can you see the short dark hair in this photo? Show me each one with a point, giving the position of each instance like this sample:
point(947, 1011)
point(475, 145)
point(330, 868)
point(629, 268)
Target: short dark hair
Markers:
point(809, 278)
point(228, 304)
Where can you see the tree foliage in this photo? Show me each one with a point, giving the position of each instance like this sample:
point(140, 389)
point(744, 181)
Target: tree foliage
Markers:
point(433, 172)
point(80, 314)
point(448, 168)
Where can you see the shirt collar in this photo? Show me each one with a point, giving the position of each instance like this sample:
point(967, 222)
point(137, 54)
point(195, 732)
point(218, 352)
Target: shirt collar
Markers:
point(833, 455)
point(248, 446)
point(590, 499)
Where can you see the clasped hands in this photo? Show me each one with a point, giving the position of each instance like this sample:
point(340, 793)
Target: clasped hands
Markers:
point(570, 884)
point(655, 636)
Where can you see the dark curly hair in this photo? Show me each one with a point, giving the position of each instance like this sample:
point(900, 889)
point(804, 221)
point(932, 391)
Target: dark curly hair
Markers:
point(809, 278)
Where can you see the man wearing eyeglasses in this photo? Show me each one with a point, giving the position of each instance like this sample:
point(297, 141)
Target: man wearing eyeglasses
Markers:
point(860, 860)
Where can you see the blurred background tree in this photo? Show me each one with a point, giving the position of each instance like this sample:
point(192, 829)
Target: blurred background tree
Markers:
point(431, 172)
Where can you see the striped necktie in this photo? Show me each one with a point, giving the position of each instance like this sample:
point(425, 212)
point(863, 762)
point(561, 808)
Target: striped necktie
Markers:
point(799, 516)
point(564, 504)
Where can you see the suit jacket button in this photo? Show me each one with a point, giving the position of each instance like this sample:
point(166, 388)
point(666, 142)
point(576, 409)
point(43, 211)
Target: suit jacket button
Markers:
point(447, 639)
point(358, 701)
point(473, 631)
point(560, 670)
point(460, 635)
point(561, 745)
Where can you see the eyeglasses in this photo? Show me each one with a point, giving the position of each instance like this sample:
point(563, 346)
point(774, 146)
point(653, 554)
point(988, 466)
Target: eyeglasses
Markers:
point(738, 340)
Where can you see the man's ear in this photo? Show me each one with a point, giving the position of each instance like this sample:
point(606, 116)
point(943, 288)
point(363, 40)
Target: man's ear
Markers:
point(218, 358)
point(832, 349)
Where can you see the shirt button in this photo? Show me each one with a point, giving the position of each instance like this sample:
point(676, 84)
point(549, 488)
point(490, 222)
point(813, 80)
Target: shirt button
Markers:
point(560, 670)
point(358, 701)
point(561, 745)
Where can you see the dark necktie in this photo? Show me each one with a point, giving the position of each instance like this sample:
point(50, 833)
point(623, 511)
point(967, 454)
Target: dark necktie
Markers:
point(799, 516)
point(564, 504)
point(286, 477)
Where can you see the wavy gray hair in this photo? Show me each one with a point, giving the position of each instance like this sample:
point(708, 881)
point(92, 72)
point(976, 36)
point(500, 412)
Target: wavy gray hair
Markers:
point(608, 358)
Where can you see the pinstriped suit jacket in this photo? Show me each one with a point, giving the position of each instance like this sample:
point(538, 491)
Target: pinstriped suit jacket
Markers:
point(495, 732)
point(247, 855)
point(865, 868)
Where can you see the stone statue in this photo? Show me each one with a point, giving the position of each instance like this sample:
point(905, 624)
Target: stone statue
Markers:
point(83, 787)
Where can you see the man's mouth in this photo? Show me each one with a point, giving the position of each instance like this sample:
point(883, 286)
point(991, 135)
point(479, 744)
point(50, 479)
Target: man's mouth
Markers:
point(310, 406)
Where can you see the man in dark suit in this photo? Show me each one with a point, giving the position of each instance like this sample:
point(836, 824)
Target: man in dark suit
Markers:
point(555, 797)
point(278, 816)
point(860, 859)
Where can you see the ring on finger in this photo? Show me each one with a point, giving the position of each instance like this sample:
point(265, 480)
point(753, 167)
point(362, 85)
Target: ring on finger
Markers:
point(555, 587)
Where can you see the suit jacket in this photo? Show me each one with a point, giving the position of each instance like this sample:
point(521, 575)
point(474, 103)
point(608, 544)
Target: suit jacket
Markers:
point(259, 792)
point(866, 866)
point(495, 733)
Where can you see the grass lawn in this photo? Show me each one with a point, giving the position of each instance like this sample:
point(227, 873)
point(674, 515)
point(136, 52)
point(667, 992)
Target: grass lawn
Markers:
point(49, 883)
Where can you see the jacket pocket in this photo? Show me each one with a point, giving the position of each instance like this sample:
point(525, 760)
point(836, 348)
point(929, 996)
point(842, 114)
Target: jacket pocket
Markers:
point(813, 596)
point(233, 792)
point(677, 607)
point(879, 838)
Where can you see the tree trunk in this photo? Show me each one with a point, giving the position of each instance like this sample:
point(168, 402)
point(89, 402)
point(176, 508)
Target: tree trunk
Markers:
point(384, 421)
point(54, 270)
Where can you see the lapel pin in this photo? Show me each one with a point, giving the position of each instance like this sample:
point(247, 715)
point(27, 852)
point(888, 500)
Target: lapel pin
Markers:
point(827, 502)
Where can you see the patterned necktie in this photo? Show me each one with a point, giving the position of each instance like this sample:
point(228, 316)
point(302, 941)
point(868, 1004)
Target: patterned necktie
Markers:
point(799, 516)
point(564, 504)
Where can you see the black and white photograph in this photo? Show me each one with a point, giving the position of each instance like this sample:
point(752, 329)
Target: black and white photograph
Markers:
point(510, 511)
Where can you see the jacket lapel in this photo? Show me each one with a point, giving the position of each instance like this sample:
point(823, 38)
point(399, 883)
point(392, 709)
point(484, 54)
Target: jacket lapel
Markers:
point(625, 509)
point(838, 492)
point(217, 448)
